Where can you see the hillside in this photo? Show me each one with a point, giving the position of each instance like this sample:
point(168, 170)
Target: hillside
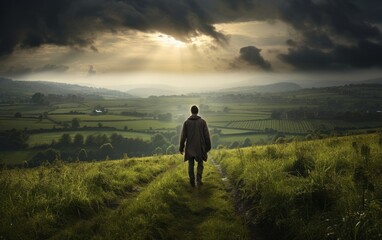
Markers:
point(270, 88)
point(301, 190)
point(147, 92)
point(10, 89)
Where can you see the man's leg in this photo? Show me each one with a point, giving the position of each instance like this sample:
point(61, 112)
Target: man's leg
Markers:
point(191, 173)
point(199, 173)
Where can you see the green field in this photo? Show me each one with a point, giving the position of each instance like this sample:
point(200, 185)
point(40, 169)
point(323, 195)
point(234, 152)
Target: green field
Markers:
point(8, 123)
point(298, 126)
point(231, 118)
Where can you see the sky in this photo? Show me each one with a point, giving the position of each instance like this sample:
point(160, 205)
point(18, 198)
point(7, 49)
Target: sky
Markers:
point(194, 44)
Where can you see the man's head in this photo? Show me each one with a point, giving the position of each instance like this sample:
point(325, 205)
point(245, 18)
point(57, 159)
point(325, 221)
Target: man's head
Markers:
point(194, 110)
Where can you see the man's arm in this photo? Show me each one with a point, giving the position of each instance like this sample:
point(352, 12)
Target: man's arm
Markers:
point(207, 137)
point(183, 137)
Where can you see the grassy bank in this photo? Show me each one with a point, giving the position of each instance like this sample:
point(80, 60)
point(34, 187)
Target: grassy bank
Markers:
point(36, 203)
point(327, 189)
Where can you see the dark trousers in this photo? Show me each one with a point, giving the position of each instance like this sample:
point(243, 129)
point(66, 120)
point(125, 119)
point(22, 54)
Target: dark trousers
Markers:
point(199, 171)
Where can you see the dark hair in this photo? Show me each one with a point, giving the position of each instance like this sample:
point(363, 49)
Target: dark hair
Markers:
point(194, 110)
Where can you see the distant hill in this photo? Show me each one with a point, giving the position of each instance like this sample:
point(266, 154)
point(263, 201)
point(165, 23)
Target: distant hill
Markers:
point(146, 92)
point(275, 87)
point(11, 88)
point(371, 81)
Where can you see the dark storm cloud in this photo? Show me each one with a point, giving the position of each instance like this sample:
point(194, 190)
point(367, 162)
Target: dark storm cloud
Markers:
point(252, 56)
point(327, 29)
point(29, 24)
point(335, 34)
point(365, 55)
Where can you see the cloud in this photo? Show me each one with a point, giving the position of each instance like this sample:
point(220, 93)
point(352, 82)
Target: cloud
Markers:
point(364, 55)
point(333, 35)
point(252, 56)
point(324, 27)
point(29, 24)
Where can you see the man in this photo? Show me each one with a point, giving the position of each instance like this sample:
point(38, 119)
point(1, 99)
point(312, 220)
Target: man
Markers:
point(196, 137)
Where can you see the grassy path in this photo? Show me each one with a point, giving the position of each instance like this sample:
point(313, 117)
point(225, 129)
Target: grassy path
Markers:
point(168, 208)
point(142, 198)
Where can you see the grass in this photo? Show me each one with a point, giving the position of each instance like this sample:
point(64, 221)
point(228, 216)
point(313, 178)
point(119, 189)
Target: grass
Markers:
point(142, 198)
point(323, 189)
point(22, 123)
point(170, 209)
point(16, 157)
point(37, 203)
point(308, 190)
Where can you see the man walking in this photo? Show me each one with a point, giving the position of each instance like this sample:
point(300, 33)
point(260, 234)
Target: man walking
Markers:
point(196, 137)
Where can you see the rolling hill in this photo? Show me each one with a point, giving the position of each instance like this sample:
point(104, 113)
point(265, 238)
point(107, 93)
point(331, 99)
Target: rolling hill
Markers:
point(269, 88)
point(10, 89)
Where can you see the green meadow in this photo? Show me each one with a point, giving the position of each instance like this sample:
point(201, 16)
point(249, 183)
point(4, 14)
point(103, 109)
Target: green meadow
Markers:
point(321, 189)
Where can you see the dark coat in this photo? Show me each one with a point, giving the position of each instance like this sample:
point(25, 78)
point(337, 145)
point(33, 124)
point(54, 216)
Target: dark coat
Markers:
point(196, 137)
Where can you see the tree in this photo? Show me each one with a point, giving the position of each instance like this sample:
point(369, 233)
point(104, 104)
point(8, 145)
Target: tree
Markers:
point(158, 151)
point(17, 115)
point(82, 155)
point(116, 139)
point(78, 140)
point(75, 123)
point(215, 140)
point(65, 139)
point(235, 144)
point(49, 155)
point(105, 151)
point(171, 149)
point(158, 140)
point(13, 140)
point(165, 117)
point(247, 142)
point(101, 139)
point(175, 139)
point(38, 98)
point(90, 141)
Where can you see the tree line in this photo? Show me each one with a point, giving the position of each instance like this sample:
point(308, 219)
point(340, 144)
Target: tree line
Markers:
point(98, 147)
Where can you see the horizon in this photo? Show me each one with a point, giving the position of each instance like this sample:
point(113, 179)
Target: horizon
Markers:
point(192, 83)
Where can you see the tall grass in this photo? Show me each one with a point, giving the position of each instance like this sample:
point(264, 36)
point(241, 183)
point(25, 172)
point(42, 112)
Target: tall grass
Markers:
point(36, 203)
point(327, 189)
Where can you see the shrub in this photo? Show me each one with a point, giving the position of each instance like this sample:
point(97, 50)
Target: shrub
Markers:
point(106, 150)
point(49, 155)
point(82, 155)
point(302, 166)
